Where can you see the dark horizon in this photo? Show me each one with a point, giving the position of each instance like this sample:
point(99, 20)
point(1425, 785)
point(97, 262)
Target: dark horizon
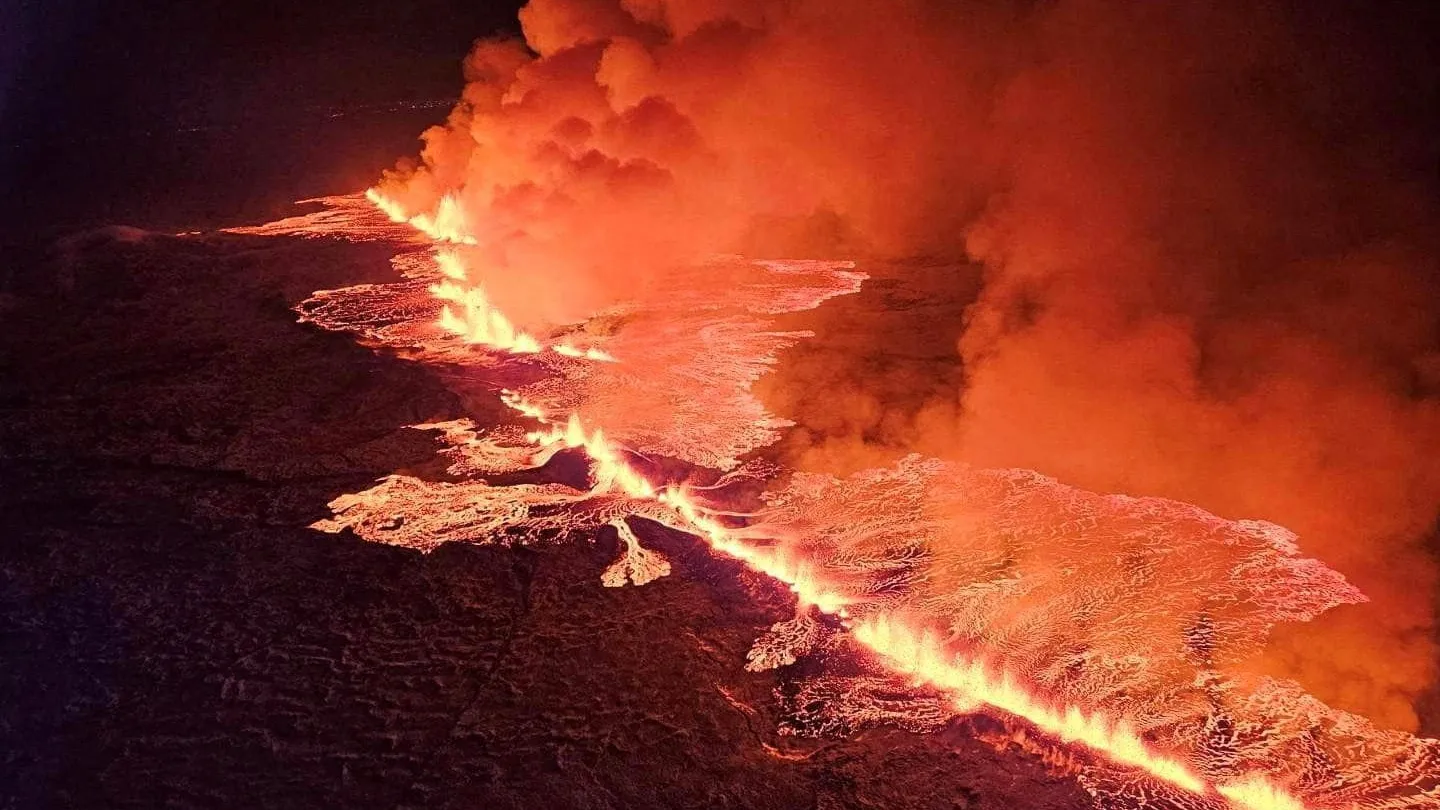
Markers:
point(113, 113)
point(147, 115)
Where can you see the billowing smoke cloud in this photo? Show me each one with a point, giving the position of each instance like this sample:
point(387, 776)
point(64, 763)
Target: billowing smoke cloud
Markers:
point(638, 135)
point(1207, 278)
point(1207, 266)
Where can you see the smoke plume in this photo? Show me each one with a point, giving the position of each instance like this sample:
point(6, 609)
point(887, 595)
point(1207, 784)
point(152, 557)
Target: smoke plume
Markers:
point(1204, 234)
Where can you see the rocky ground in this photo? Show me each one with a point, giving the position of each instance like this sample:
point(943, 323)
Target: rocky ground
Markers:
point(174, 636)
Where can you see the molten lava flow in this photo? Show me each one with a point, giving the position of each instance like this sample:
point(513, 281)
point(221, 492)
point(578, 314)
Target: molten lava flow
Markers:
point(674, 381)
point(920, 654)
point(1257, 792)
point(636, 564)
point(915, 653)
point(589, 354)
point(1118, 626)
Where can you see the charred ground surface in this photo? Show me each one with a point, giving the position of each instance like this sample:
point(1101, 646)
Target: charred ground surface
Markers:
point(174, 636)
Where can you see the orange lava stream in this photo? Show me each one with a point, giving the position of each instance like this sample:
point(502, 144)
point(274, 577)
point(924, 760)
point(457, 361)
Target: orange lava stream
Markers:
point(901, 646)
point(898, 644)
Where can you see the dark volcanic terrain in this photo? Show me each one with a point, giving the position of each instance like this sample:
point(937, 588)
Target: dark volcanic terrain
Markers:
point(174, 636)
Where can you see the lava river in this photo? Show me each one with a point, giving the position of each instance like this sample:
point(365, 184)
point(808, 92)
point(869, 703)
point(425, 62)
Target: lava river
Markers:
point(1109, 632)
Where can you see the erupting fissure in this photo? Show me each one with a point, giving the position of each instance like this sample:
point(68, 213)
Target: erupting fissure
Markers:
point(447, 224)
point(466, 310)
point(867, 553)
point(896, 643)
point(918, 654)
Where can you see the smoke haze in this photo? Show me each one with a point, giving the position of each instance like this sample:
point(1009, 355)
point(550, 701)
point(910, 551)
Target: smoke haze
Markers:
point(1204, 237)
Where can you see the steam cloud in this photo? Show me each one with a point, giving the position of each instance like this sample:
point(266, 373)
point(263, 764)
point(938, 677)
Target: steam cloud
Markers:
point(1208, 266)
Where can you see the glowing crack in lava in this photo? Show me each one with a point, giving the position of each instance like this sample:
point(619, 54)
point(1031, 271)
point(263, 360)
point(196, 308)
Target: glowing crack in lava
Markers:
point(1116, 628)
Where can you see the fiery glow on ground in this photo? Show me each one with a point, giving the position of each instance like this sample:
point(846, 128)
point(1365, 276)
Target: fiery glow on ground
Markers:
point(918, 654)
point(1117, 627)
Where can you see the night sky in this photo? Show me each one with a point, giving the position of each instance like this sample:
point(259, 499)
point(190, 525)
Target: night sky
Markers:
point(134, 111)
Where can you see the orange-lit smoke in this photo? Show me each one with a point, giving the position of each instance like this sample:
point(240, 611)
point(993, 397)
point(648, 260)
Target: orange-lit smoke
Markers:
point(1210, 277)
point(1208, 272)
point(634, 136)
